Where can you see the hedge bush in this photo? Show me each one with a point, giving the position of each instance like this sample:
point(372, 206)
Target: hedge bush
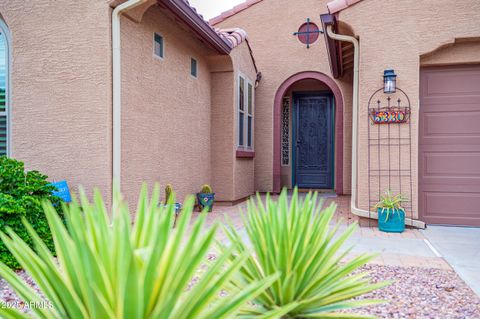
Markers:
point(21, 195)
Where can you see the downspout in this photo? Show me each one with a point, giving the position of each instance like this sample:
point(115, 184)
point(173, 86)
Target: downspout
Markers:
point(355, 106)
point(117, 87)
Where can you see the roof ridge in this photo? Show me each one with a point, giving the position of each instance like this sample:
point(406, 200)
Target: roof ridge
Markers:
point(339, 5)
point(334, 6)
point(233, 11)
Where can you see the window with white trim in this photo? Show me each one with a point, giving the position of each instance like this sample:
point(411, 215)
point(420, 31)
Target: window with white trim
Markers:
point(4, 97)
point(246, 105)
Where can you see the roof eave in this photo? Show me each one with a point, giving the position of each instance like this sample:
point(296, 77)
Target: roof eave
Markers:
point(184, 12)
point(334, 54)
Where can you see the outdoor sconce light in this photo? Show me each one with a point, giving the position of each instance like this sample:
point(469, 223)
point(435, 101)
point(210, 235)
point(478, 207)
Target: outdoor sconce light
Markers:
point(390, 81)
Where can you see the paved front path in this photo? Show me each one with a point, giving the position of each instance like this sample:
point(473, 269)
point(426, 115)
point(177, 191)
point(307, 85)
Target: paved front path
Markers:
point(460, 246)
point(406, 249)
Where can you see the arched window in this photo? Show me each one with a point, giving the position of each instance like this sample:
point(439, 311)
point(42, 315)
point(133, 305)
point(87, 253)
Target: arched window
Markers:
point(4, 91)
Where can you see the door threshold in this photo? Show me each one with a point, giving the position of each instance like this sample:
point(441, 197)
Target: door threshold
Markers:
point(318, 190)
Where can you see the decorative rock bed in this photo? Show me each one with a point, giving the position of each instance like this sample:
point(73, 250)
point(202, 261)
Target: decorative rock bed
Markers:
point(416, 293)
point(421, 293)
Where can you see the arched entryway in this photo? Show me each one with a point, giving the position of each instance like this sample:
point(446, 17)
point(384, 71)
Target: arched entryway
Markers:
point(326, 87)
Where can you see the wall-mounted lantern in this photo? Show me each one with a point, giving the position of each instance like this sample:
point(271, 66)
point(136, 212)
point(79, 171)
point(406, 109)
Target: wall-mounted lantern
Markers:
point(390, 81)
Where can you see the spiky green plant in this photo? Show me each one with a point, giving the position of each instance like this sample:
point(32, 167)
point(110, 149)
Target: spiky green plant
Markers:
point(390, 203)
point(113, 269)
point(206, 189)
point(294, 238)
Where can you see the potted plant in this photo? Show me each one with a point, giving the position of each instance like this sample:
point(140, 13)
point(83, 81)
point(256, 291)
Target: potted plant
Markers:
point(391, 214)
point(170, 198)
point(206, 198)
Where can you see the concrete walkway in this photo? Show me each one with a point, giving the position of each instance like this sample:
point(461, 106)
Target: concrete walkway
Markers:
point(460, 246)
point(444, 248)
point(408, 249)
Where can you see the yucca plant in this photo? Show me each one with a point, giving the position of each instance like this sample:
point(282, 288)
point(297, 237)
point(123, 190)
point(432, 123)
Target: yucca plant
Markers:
point(294, 238)
point(113, 269)
point(390, 203)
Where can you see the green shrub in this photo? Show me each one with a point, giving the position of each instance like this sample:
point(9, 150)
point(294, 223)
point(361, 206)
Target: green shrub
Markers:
point(113, 269)
point(21, 195)
point(206, 189)
point(295, 239)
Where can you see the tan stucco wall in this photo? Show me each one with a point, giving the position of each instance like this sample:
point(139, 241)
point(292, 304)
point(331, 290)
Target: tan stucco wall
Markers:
point(165, 111)
point(279, 55)
point(232, 177)
point(244, 168)
point(61, 89)
point(223, 134)
point(397, 34)
point(456, 53)
point(176, 128)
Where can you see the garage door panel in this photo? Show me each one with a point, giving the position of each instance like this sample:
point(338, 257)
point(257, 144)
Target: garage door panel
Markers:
point(449, 146)
point(455, 185)
point(448, 124)
point(443, 103)
point(444, 206)
point(451, 164)
point(450, 82)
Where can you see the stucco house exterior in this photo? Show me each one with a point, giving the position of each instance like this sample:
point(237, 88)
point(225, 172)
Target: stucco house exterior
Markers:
point(267, 95)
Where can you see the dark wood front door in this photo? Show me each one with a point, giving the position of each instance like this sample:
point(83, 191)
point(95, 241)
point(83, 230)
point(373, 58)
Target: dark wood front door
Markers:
point(314, 123)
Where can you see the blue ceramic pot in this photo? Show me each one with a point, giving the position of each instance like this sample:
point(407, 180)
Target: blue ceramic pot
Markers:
point(205, 200)
point(391, 220)
point(177, 207)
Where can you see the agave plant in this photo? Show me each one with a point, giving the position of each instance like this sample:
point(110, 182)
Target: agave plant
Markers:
point(295, 239)
point(113, 269)
point(390, 203)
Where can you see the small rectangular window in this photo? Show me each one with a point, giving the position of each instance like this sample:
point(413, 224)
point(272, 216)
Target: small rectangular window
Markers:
point(158, 45)
point(193, 68)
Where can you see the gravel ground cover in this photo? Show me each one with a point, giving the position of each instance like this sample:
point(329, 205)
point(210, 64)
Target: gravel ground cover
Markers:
point(415, 293)
point(421, 293)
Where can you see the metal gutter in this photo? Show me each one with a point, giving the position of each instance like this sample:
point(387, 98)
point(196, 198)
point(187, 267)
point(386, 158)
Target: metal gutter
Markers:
point(117, 87)
point(355, 107)
point(332, 46)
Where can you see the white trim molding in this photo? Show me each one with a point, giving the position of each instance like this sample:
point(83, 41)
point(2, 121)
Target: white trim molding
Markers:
point(8, 88)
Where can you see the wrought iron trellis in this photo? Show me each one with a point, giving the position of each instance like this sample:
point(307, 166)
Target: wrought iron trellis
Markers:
point(390, 147)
